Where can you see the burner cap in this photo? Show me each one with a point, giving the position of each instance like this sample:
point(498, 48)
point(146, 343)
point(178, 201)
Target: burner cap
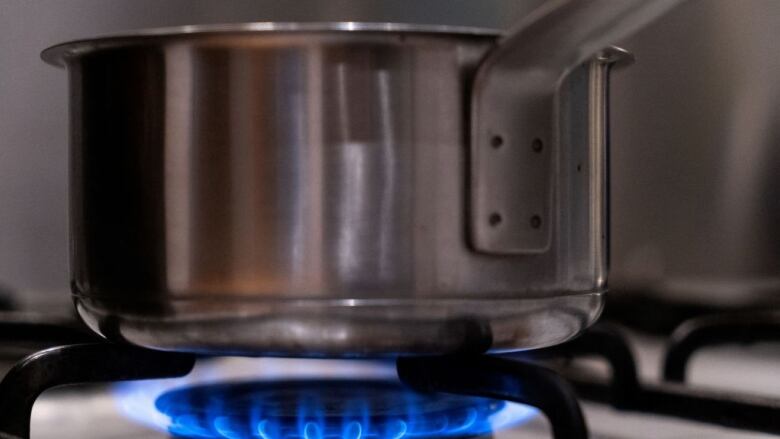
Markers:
point(338, 409)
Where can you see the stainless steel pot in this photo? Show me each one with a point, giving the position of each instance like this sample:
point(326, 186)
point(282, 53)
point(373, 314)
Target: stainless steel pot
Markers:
point(344, 189)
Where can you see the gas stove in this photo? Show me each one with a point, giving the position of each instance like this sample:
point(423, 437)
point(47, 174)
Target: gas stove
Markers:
point(717, 379)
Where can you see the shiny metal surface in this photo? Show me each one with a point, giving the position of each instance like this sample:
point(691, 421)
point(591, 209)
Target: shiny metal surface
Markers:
point(305, 192)
point(514, 127)
point(58, 54)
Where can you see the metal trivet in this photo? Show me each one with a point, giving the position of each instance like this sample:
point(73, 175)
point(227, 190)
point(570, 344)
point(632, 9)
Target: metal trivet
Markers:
point(626, 392)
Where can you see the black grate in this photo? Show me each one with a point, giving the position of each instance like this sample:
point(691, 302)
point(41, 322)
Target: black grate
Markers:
point(519, 378)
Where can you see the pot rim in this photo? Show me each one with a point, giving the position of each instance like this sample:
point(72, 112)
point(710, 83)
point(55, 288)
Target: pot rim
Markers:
point(58, 54)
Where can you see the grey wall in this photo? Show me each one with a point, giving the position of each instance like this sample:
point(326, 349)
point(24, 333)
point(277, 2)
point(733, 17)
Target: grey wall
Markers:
point(696, 156)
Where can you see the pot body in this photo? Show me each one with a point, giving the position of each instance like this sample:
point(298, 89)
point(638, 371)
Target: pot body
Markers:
point(307, 192)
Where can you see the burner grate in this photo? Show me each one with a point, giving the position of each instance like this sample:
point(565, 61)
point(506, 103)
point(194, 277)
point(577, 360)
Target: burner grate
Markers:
point(481, 377)
point(477, 376)
point(626, 392)
point(718, 329)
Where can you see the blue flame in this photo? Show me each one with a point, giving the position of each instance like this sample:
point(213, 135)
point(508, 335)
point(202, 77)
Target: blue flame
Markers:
point(326, 409)
point(296, 406)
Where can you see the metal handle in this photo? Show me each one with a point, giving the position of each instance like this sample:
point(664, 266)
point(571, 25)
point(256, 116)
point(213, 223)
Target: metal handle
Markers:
point(513, 114)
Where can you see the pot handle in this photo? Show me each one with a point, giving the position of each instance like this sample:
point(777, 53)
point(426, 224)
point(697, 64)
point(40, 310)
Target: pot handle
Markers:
point(513, 103)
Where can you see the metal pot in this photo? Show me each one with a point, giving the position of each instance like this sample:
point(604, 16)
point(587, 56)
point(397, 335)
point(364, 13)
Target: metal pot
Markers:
point(344, 189)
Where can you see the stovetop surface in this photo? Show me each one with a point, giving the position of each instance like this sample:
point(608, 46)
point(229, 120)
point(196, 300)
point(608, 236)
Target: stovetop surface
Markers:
point(93, 411)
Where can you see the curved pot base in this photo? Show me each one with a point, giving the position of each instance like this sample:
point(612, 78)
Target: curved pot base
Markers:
point(346, 328)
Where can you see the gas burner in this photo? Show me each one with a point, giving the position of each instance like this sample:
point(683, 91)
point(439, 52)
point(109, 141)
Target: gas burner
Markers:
point(344, 409)
point(448, 393)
